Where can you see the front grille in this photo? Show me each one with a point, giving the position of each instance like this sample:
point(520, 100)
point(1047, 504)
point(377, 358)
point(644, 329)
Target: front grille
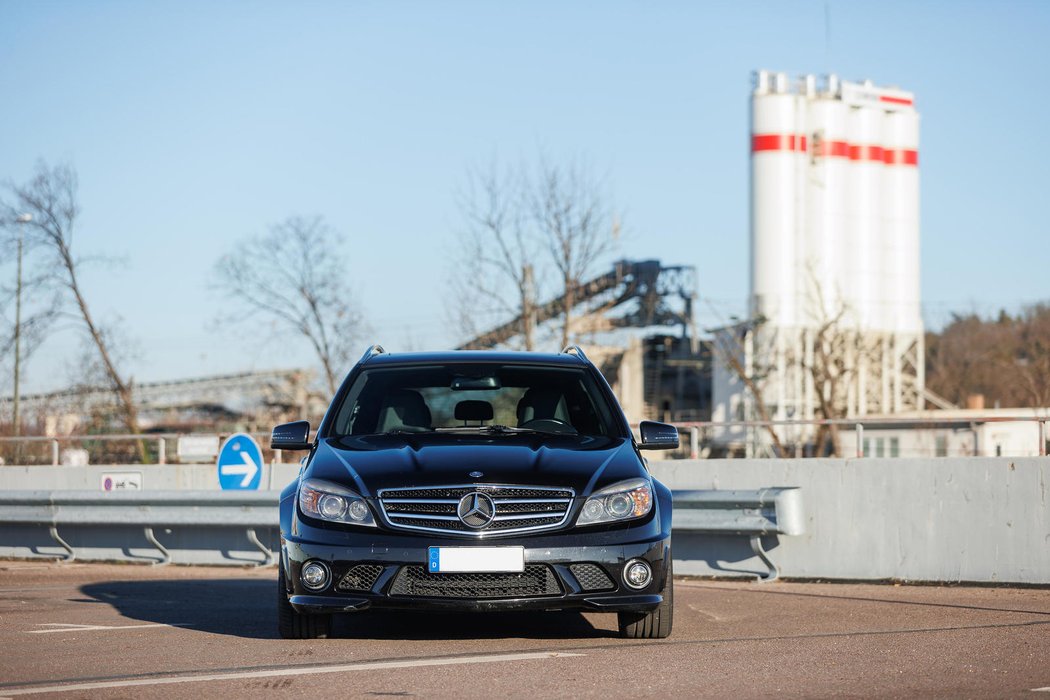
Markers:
point(537, 580)
point(592, 577)
point(517, 508)
point(360, 578)
point(459, 492)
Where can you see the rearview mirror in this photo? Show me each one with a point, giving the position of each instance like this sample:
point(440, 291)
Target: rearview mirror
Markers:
point(475, 383)
point(291, 436)
point(657, 436)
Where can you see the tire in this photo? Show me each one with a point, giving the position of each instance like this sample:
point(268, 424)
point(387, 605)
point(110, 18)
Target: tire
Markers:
point(655, 624)
point(295, 625)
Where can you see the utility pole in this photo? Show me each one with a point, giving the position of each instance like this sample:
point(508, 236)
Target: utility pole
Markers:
point(23, 219)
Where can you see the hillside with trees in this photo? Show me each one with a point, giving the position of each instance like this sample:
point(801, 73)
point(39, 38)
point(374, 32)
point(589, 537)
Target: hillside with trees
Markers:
point(1007, 359)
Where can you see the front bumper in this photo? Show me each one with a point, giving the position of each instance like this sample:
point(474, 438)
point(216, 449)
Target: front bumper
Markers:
point(391, 553)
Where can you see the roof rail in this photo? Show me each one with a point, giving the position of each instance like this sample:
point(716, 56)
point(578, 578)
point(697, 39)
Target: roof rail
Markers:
point(371, 352)
point(575, 350)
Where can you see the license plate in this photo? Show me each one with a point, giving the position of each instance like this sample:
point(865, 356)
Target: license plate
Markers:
point(445, 560)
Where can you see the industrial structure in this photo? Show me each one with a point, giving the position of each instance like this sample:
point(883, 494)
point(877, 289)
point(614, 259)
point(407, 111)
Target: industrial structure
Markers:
point(659, 375)
point(835, 326)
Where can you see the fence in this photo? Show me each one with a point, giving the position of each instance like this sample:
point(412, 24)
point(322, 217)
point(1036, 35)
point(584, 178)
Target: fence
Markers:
point(1017, 436)
point(37, 450)
point(966, 436)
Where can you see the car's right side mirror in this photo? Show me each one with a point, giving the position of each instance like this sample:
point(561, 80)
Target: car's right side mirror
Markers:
point(291, 436)
point(657, 436)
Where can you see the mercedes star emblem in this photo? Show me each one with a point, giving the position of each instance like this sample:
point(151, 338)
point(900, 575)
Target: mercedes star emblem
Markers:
point(476, 510)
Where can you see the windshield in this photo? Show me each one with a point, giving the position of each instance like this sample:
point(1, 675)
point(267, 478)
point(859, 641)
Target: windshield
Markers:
point(481, 398)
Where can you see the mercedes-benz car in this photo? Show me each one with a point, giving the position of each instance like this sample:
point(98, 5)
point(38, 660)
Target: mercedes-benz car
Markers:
point(475, 481)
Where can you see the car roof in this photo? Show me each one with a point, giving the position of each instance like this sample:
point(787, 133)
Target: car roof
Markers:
point(475, 356)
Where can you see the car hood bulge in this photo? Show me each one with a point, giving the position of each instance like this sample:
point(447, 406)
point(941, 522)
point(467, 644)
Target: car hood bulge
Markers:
point(371, 463)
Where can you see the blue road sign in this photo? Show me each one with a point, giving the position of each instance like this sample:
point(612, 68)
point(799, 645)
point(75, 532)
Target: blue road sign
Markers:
point(240, 463)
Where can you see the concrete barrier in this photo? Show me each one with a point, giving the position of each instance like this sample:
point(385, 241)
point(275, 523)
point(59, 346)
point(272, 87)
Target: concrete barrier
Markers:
point(946, 520)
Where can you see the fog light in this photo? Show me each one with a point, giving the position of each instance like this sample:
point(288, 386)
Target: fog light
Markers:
point(637, 574)
point(315, 575)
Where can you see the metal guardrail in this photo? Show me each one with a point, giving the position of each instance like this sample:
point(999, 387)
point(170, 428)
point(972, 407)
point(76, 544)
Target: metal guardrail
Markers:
point(768, 511)
point(247, 510)
point(753, 513)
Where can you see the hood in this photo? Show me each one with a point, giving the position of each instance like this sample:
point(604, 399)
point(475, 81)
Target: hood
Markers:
point(370, 463)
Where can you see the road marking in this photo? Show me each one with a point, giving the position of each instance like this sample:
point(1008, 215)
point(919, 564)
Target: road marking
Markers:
point(65, 627)
point(287, 671)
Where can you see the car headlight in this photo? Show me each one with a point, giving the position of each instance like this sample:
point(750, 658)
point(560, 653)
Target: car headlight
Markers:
point(327, 501)
point(625, 500)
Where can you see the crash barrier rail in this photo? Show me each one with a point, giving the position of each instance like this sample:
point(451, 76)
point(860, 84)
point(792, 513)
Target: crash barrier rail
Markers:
point(147, 510)
point(753, 513)
point(768, 511)
point(696, 432)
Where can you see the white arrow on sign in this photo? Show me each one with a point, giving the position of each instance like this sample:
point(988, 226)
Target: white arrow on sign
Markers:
point(247, 470)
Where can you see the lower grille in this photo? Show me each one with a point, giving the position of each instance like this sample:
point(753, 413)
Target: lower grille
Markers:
point(592, 577)
point(360, 578)
point(537, 580)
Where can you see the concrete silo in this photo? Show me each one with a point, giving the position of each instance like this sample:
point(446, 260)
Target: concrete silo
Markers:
point(834, 240)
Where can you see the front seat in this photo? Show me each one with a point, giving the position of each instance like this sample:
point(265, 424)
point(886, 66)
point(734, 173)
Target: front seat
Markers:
point(404, 409)
point(539, 404)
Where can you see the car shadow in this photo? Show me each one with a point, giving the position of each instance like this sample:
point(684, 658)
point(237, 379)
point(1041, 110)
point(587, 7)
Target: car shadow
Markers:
point(246, 608)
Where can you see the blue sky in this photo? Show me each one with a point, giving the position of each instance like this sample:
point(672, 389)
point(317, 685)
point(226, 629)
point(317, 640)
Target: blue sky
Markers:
point(194, 125)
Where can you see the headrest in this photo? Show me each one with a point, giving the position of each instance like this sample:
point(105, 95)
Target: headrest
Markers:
point(404, 407)
point(474, 410)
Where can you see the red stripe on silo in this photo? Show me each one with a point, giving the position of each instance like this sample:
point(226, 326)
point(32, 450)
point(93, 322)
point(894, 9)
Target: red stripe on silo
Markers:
point(834, 149)
point(895, 100)
point(777, 142)
point(902, 156)
point(866, 152)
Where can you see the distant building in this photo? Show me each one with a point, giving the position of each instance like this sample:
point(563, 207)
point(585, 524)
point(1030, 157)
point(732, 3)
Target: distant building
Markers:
point(245, 400)
point(950, 433)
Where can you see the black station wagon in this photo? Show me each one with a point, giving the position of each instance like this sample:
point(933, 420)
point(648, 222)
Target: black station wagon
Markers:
point(475, 481)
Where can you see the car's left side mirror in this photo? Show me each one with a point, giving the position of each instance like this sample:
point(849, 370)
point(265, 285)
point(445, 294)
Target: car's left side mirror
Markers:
point(291, 436)
point(657, 436)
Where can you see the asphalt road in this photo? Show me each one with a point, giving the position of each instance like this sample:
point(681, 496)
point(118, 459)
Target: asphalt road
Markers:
point(104, 631)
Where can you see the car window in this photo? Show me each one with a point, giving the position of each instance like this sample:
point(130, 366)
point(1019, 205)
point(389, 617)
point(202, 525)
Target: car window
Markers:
point(459, 397)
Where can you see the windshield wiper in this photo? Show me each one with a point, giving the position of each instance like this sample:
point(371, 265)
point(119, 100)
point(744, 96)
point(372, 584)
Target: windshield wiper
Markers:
point(486, 429)
point(507, 430)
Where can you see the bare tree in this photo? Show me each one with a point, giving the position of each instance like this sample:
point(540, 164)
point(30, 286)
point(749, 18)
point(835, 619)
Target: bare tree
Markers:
point(1031, 361)
point(576, 223)
point(1005, 358)
point(36, 306)
point(523, 226)
point(730, 347)
point(295, 275)
point(499, 252)
point(50, 197)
